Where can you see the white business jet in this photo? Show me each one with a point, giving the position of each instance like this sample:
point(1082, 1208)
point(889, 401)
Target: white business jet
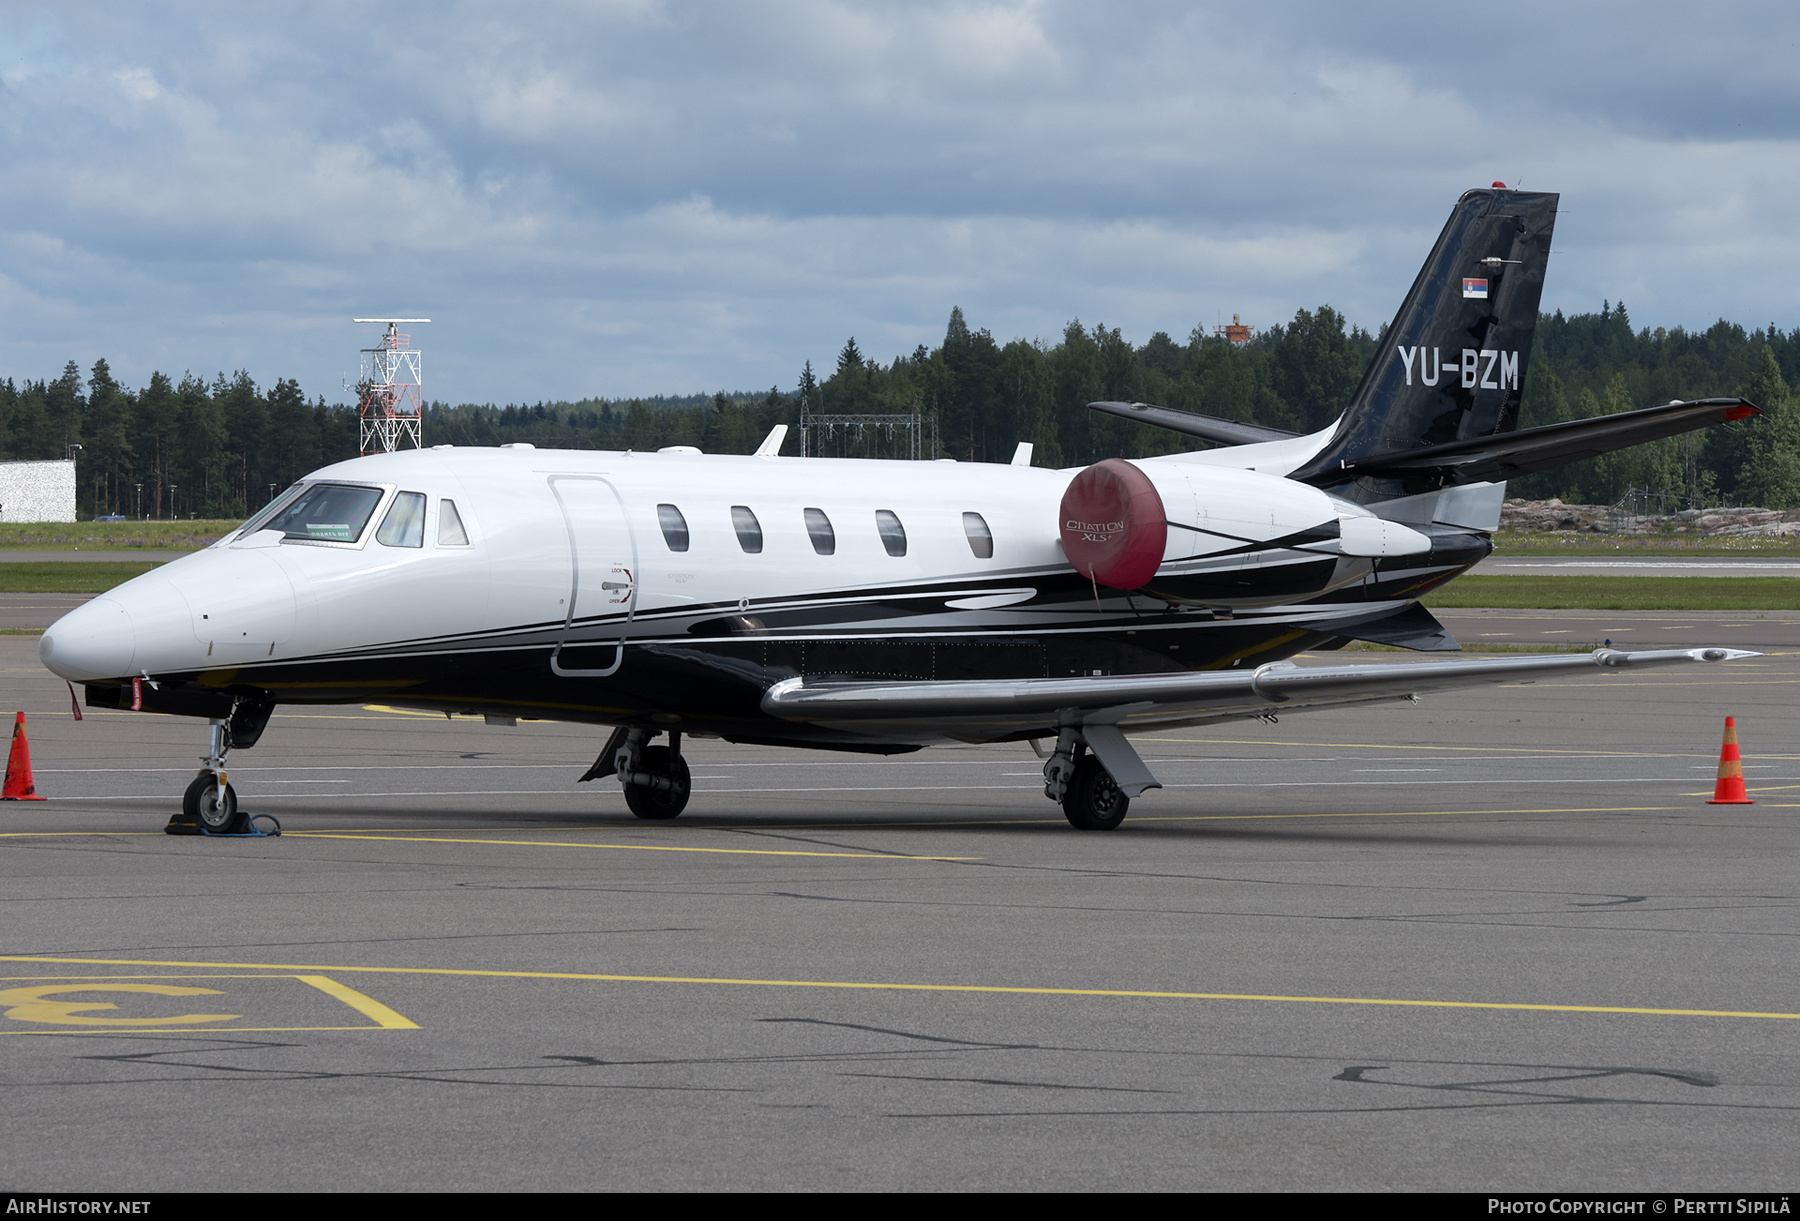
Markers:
point(883, 606)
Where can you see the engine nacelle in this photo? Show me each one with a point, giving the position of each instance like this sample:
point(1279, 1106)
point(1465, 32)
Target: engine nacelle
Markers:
point(1115, 530)
point(1211, 535)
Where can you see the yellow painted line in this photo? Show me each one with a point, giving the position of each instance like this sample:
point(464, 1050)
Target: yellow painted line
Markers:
point(1650, 682)
point(1289, 744)
point(1408, 813)
point(384, 1017)
point(993, 989)
point(82, 1032)
point(551, 843)
point(368, 1006)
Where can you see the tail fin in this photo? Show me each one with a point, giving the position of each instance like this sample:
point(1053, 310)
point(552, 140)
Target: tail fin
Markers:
point(1453, 364)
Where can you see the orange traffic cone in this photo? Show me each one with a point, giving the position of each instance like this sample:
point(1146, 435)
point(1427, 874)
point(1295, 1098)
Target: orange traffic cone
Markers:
point(1730, 789)
point(19, 786)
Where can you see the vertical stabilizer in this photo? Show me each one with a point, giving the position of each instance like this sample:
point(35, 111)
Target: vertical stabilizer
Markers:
point(1452, 366)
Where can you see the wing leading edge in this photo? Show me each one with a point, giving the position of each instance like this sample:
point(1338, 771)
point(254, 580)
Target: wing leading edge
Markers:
point(987, 711)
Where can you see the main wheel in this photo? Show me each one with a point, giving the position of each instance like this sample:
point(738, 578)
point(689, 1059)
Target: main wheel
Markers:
point(215, 810)
point(1093, 802)
point(647, 802)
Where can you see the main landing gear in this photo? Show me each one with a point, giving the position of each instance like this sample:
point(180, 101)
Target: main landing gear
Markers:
point(1074, 779)
point(655, 778)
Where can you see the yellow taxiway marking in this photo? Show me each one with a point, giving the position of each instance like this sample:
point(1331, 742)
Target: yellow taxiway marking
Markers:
point(1403, 814)
point(1152, 737)
point(871, 986)
point(53, 1000)
point(552, 843)
point(368, 1006)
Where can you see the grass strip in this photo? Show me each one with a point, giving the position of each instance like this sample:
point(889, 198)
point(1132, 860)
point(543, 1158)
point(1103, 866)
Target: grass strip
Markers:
point(1620, 593)
point(1519, 544)
point(113, 535)
point(74, 577)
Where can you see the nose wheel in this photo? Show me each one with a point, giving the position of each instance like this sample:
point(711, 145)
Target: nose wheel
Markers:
point(213, 807)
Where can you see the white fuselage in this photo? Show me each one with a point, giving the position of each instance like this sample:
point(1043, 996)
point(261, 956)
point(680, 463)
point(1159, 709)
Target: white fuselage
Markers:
point(569, 559)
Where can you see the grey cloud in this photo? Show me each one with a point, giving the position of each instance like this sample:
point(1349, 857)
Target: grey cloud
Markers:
point(669, 197)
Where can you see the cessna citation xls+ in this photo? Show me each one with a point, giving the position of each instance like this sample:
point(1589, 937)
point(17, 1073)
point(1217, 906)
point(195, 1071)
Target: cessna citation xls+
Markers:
point(883, 606)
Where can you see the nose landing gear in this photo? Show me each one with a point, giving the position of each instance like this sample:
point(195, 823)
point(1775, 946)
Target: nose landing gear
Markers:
point(210, 803)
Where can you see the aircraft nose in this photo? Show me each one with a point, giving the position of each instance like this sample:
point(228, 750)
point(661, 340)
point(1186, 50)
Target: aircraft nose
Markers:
point(93, 641)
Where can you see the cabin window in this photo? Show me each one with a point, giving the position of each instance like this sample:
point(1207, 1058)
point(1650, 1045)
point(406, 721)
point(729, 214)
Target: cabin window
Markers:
point(981, 539)
point(749, 530)
point(893, 534)
point(404, 525)
point(674, 527)
point(450, 527)
point(327, 513)
point(818, 529)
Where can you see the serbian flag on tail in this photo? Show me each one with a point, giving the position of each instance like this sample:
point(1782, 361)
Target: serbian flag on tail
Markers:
point(1475, 288)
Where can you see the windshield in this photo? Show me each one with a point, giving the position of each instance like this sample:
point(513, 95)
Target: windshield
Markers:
point(326, 512)
point(260, 519)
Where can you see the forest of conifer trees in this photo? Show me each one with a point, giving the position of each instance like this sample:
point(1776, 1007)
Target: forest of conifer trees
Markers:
point(222, 448)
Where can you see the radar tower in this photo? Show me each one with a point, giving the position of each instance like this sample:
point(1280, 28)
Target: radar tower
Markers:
point(389, 390)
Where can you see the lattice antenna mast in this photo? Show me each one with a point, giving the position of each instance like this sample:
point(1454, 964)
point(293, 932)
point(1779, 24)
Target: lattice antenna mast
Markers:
point(390, 389)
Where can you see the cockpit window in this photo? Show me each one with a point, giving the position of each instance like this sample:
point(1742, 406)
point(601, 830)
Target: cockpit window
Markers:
point(404, 525)
point(260, 520)
point(450, 527)
point(327, 513)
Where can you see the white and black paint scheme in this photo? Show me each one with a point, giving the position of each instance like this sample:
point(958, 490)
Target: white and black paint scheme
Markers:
point(884, 606)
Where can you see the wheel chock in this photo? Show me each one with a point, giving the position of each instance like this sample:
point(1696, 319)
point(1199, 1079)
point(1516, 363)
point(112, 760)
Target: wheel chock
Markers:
point(251, 832)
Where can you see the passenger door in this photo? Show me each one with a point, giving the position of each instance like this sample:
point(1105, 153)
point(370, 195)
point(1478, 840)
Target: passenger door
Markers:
point(602, 578)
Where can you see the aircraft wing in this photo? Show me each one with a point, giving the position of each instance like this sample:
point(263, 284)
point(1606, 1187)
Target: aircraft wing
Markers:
point(980, 710)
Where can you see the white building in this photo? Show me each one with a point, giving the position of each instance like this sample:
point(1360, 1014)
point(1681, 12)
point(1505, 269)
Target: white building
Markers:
point(37, 491)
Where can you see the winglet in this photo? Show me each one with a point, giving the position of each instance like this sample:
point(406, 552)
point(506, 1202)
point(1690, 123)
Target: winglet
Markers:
point(771, 444)
point(1022, 455)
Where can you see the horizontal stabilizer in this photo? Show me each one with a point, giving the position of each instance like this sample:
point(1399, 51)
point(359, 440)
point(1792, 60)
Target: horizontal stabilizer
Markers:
point(1503, 456)
point(1206, 427)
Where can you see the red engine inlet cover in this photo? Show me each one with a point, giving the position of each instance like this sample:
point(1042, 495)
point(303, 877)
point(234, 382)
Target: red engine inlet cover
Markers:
point(1114, 528)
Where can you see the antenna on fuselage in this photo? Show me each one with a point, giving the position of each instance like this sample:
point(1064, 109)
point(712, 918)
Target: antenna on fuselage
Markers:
point(390, 390)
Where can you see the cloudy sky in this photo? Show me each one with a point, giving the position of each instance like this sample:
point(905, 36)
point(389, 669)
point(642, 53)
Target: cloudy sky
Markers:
point(643, 197)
